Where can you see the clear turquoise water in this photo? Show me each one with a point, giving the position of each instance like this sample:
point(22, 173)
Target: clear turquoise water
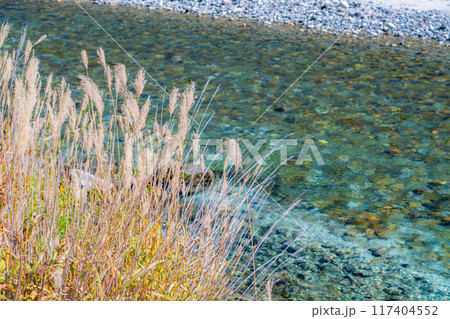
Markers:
point(379, 114)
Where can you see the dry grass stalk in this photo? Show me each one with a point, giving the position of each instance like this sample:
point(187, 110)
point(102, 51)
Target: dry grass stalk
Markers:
point(67, 232)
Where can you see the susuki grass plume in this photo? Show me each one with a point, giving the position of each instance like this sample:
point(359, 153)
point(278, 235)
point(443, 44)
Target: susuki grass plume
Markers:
point(78, 222)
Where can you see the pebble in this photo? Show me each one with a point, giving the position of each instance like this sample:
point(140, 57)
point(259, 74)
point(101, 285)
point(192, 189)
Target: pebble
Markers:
point(338, 16)
point(379, 252)
point(445, 221)
point(390, 25)
point(344, 4)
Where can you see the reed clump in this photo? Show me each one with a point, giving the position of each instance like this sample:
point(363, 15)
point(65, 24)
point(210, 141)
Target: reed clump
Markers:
point(119, 210)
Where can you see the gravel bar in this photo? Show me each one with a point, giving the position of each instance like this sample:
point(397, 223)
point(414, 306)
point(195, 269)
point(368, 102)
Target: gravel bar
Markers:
point(335, 16)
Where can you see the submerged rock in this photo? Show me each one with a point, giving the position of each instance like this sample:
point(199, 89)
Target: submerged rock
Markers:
point(445, 221)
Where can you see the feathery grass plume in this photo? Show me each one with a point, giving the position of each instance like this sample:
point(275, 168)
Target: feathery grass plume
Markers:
point(157, 131)
point(72, 117)
point(269, 288)
point(127, 162)
point(108, 77)
point(146, 165)
point(233, 151)
point(40, 40)
point(24, 105)
point(186, 103)
point(32, 74)
point(28, 49)
point(30, 46)
point(174, 96)
point(130, 107)
point(101, 57)
point(120, 75)
point(94, 94)
point(7, 66)
point(4, 31)
point(196, 146)
point(202, 162)
point(85, 60)
point(139, 82)
point(171, 144)
point(106, 68)
point(143, 114)
point(68, 233)
point(99, 140)
point(76, 185)
point(48, 87)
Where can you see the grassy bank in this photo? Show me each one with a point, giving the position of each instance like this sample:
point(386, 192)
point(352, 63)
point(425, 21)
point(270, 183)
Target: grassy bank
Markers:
point(119, 210)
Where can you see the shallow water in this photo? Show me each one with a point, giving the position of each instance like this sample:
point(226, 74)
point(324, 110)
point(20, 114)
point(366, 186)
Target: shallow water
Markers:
point(378, 114)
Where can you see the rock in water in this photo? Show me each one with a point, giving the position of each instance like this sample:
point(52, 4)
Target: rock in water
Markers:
point(195, 174)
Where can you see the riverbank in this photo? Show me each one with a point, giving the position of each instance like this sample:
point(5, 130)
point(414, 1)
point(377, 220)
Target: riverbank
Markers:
point(377, 113)
point(334, 16)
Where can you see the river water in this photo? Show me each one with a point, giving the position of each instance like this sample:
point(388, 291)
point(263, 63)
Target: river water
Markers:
point(376, 213)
